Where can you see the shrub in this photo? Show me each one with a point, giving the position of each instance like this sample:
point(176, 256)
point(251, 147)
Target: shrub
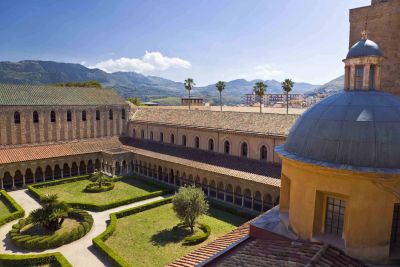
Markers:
point(17, 210)
point(46, 242)
point(189, 204)
point(200, 237)
point(53, 259)
point(94, 187)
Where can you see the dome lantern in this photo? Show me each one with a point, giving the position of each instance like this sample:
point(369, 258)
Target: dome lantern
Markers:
point(363, 65)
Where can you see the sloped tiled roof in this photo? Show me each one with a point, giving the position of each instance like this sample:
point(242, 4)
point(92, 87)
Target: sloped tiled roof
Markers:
point(257, 252)
point(220, 244)
point(246, 122)
point(45, 151)
point(248, 169)
point(47, 95)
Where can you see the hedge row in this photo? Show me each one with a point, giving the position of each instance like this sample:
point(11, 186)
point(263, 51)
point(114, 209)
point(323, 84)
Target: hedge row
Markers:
point(200, 237)
point(94, 207)
point(54, 259)
point(94, 187)
point(46, 242)
point(17, 210)
point(216, 204)
point(98, 241)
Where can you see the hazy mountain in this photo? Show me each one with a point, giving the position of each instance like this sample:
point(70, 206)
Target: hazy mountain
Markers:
point(129, 84)
point(330, 87)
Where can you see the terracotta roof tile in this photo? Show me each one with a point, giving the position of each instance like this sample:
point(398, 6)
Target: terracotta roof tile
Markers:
point(50, 95)
point(45, 151)
point(247, 122)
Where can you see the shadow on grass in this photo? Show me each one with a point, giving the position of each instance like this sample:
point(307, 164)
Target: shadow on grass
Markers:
point(167, 236)
point(139, 184)
point(226, 216)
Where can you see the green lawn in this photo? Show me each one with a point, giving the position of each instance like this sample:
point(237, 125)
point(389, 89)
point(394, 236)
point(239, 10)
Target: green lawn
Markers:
point(4, 210)
point(147, 238)
point(124, 189)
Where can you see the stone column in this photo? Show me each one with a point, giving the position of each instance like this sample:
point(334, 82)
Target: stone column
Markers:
point(243, 201)
point(62, 173)
point(208, 190)
point(224, 195)
point(23, 181)
point(1, 184)
point(366, 76)
point(13, 184)
point(252, 203)
point(262, 205)
point(377, 77)
point(352, 76)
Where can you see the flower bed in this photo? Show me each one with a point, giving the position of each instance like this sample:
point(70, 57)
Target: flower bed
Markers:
point(39, 241)
point(53, 259)
point(16, 210)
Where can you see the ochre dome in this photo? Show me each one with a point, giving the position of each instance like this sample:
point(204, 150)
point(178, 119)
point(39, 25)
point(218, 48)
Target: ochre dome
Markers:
point(350, 130)
point(364, 48)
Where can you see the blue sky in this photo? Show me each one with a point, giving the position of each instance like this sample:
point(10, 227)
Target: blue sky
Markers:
point(206, 40)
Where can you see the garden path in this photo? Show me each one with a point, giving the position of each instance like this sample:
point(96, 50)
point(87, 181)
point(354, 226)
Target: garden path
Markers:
point(79, 253)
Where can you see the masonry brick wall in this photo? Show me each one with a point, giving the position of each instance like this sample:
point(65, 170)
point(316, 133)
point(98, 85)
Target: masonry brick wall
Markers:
point(383, 28)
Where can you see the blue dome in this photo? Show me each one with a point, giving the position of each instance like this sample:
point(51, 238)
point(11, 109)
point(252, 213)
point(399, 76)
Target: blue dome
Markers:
point(364, 48)
point(352, 128)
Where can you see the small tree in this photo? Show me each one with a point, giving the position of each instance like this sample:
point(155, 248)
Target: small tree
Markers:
point(52, 213)
point(188, 204)
point(287, 86)
point(220, 87)
point(136, 101)
point(99, 178)
point(189, 84)
point(259, 89)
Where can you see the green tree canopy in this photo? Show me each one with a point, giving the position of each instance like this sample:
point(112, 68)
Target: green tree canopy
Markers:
point(90, 83)
point(189, 204)
point(260, 89)
point(220, 87)
point(189, 84)
point(287, 86)
point(136, 101)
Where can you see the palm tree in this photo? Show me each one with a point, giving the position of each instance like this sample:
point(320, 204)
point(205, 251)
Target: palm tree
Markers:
point(189, 84)
point(260, 89)
point(52, 213)
point(287, 86)
point(220, 87)
point(99, 178)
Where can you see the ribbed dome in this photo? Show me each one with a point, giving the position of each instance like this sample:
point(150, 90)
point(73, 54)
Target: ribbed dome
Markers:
point(364, 48)
point(351, 129)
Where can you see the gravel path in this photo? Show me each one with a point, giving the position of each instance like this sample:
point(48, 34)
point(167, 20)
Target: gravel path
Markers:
point(80, 252)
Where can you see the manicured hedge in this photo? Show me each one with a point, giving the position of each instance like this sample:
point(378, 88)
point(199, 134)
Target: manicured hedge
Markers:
point(94, 187)
point(55, 240)
point(98, 241)
point(95, 207)
point(200, 237)
point(17, 210)
point(54, 259)
point(216, 204)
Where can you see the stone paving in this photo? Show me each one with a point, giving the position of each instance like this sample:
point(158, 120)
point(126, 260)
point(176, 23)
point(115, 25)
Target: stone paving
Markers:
point(80, 252)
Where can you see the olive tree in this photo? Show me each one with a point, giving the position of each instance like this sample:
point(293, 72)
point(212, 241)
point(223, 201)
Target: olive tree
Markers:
point(188, 204)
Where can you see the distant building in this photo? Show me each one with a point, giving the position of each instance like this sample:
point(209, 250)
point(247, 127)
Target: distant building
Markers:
point(270, 99)
point(151, 104)
point(194, 101)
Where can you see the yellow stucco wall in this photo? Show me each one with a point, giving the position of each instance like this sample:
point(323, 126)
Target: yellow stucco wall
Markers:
point(369, 205)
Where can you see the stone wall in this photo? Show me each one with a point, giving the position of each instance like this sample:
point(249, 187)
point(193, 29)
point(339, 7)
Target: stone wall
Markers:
point(383, 28)
point(29, 132)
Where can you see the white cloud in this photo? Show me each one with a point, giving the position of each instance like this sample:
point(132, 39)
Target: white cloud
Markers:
point(264, 72)
point(151, 61)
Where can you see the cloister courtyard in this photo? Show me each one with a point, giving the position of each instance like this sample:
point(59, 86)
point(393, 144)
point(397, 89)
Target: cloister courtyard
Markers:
point(134, 224)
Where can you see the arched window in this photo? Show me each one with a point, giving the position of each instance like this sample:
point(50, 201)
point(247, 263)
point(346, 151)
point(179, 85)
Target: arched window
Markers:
point(227, 147)
point(263, 153)
point(211, 145)
point(161, 137)
point(142, 134)
point(134, 133)
point(244, 150)
point(151, 136)
point(123, 114)
point(110, 114)
point(52, 116)
point(84, 115)
point(97, 115)
point(172, 139)
point(35, 117)
point(197, 142)
point(17, 117)
point(69, 115)
point(184, 140)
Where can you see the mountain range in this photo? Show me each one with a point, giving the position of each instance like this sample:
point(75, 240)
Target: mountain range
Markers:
point(131, 84)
